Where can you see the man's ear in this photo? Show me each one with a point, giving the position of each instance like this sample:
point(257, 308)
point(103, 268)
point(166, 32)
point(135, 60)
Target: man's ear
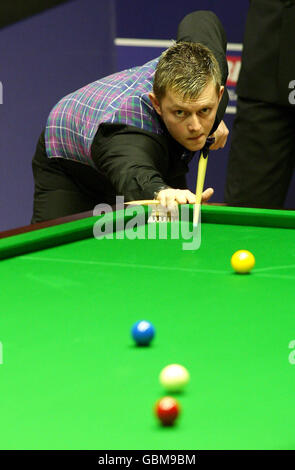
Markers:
point(155, 103)
point(221, 91)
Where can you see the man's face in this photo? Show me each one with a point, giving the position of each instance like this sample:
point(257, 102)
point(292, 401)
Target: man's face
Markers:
point(189, 122)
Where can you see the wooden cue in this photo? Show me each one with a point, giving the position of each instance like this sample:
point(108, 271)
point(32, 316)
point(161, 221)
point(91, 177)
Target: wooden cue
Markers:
point(200, 185)
point(143, 202)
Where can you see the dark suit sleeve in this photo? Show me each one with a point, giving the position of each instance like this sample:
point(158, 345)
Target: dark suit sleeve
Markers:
point(133, 162)
point(205, 27)
point(268, 60)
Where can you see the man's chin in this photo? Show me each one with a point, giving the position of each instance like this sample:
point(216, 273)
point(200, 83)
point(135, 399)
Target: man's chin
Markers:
point(195, 146)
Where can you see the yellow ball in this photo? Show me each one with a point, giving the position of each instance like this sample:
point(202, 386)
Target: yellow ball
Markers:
point(242, 261)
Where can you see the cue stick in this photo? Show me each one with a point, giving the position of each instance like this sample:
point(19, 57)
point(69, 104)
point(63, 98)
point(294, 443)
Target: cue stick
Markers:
point(202, 167)
point(143, 202)
point(156, 215)
point(199, 186)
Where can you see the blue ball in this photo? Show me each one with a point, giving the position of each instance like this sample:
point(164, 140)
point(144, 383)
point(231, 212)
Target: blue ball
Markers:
point(143, 332)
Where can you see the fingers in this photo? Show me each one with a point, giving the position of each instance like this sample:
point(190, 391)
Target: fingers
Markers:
point(164, 196)
point(169, 198)
point(185, 196)
point(219, 143)
point(207, 194)
point(221, 135)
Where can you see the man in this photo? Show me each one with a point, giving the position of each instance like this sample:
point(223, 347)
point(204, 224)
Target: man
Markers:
point(134, 132)
point(262, 154)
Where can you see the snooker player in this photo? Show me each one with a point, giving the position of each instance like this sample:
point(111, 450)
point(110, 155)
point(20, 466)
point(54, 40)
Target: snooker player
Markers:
point(133, 133)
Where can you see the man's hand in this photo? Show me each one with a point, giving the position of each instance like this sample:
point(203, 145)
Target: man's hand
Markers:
point(220, 135)
point(168, 197)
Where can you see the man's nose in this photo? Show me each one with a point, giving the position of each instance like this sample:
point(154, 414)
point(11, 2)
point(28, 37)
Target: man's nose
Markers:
point(194, 124)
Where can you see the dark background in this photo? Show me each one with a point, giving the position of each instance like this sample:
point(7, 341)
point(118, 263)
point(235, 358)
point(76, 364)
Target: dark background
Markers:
point(16, 10)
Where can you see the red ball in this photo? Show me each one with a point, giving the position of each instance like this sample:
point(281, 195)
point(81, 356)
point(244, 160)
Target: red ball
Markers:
point(167, 409)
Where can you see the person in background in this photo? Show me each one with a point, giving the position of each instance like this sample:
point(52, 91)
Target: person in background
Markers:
point(262, 153)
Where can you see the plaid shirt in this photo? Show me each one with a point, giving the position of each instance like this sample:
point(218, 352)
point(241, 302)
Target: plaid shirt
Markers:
point(121, 98)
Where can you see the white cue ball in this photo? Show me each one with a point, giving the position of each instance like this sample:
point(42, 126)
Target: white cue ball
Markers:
point(174, 377)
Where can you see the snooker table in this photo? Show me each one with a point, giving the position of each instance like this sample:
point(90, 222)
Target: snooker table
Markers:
point(71, 376)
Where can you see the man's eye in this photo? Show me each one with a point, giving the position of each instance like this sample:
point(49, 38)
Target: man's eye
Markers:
point(205, 111)
point(179, 113)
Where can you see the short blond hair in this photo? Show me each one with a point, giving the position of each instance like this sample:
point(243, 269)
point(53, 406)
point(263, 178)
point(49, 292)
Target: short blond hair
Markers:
point(186, 68)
